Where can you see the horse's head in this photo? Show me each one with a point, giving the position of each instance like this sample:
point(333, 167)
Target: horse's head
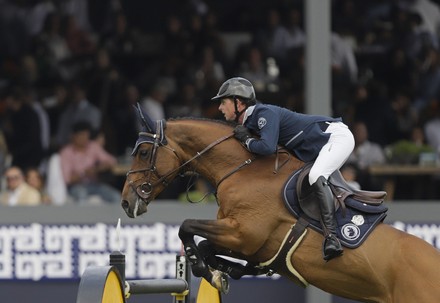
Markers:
point(154, 165)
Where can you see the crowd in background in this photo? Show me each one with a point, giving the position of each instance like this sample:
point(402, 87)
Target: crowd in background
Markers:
point(67, 63)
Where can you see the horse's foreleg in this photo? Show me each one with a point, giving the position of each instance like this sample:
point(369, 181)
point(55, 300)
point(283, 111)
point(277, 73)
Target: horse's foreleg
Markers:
point(222, 233)
point(235, 270)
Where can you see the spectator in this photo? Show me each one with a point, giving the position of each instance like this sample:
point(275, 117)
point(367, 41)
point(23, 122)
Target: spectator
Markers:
point(35, 179)
point(254, 69)
point(273, 39)
point(432, 126)
point(18, 192)
point(3, 152)
point(82, 163)
point(22, 130)
point(80, 41)
point(349, 173)
point(124, 116)
point(154, 102)
point(365, 154)
point(51, 49)
point(78, 109)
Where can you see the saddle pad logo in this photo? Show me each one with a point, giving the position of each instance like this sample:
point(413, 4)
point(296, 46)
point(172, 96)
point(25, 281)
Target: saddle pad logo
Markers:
point(261, 123)
point(350, 231)
point(358, 220)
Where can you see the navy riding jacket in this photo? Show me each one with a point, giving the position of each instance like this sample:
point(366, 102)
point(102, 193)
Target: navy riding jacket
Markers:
point(301, 134)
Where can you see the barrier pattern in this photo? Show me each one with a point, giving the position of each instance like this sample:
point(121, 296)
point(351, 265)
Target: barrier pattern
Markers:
point(39, 252)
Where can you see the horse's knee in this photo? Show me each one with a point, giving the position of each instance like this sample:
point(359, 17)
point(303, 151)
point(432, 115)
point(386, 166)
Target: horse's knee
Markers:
point(184, 233)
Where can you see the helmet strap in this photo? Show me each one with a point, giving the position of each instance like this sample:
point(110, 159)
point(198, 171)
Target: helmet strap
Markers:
point(237, 112)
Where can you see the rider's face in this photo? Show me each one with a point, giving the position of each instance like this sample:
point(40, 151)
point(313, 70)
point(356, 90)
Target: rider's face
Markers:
point(228, 109)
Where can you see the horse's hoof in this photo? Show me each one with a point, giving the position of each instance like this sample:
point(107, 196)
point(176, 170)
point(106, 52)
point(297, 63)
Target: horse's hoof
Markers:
point(220, 281)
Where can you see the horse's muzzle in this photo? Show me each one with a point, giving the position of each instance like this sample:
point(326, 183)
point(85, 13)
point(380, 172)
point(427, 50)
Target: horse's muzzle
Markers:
point(135, 209)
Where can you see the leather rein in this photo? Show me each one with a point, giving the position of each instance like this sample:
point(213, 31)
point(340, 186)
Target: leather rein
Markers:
point(144, 188)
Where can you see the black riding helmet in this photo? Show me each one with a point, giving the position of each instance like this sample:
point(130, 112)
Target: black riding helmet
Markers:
point(237, 88)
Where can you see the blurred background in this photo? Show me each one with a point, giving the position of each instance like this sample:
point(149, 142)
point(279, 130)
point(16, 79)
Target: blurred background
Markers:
point(63, 62)
point(71, 71)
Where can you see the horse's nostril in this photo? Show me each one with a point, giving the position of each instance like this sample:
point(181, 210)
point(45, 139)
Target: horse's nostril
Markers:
point(124, 204)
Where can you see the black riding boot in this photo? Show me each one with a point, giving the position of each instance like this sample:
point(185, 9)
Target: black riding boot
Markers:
point(331, 247)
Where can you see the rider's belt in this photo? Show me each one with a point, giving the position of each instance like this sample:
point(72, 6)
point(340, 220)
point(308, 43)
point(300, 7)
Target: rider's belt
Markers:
point(323, 125)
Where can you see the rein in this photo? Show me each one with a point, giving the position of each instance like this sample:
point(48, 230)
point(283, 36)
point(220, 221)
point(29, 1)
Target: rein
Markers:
point(145, 188)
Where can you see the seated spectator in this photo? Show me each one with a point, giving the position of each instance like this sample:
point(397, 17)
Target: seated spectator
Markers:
point(35, 179)
point(350, 175)
point(82, 163)
point(365, 154)
point(18, 192)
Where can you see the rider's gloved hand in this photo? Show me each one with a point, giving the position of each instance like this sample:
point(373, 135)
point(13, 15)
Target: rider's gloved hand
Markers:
point(242, 133)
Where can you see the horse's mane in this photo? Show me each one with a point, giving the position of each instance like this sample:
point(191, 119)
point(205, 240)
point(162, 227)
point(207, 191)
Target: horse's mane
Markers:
point(226, 123)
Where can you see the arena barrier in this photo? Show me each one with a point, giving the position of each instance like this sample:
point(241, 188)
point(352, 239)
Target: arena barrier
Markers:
point(107, 284)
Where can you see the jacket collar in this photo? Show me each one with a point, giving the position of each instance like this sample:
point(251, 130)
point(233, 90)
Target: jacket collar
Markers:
point(248, 112)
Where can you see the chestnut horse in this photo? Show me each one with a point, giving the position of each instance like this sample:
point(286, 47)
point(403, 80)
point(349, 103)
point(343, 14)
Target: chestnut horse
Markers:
point(252, 220)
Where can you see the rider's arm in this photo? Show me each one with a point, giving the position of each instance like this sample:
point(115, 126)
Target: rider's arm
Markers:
point(267, 124)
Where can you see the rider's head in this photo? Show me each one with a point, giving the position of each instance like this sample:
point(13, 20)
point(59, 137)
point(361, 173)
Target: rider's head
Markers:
point(237, 90)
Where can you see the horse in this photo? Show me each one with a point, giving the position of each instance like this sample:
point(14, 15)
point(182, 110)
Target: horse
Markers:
point(252, 220)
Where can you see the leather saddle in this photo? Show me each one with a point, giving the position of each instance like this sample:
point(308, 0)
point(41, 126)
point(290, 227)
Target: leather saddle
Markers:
point(340, 189)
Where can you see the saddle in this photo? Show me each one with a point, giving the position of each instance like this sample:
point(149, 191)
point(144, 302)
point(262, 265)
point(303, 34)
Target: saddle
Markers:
point(340, 189)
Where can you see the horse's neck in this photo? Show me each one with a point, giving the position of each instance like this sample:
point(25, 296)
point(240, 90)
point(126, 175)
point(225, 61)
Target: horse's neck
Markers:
point(193, 139)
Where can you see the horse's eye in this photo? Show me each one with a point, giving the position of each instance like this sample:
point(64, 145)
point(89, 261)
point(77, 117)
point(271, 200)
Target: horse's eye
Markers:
point(144, 153)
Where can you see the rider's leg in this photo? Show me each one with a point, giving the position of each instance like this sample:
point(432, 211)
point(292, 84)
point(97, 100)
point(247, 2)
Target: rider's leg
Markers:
point(331, 157)
point(331, 246)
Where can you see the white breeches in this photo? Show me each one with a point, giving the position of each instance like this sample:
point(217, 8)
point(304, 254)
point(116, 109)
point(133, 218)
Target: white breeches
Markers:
point(333, 154)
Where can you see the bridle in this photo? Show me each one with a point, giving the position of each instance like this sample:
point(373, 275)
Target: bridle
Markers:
point(144, 188)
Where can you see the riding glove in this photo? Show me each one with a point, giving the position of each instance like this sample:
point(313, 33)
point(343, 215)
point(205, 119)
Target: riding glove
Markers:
point(242, 133)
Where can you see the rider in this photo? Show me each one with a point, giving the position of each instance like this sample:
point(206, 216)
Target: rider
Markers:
point(325, 140)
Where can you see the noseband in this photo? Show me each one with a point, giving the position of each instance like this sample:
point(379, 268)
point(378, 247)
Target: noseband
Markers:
point(144, 188)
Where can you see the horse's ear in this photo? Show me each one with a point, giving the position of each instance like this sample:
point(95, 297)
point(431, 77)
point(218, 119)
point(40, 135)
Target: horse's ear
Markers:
point(147, 124)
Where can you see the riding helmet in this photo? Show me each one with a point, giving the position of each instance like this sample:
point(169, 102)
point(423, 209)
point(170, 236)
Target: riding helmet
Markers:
point(238, 87)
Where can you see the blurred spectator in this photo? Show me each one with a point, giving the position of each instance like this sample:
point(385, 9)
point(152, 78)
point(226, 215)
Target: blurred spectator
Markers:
point(154, 102)
point(18, 192)
point(22, 130)
point(349, 173)
point(35, 179)
point(432, 126)
point(273, 38)
point(80, 41)
point(343, 60)
point(208, 71)
point(254, 68)
point(78, 109)
point(372, 107)
point(82, 162)
point(429, 12)
point(43, 118)
point(3, 152)
point(124, 116)
point(406, 116)
point(121, 40)
point(79, 10)
point(365, 154)
point(428, 86)
point(187, 103)
point(296, 35)
point(54, 103)
point(51, 49)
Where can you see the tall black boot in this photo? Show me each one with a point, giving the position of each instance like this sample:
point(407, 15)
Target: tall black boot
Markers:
point(331, 247)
